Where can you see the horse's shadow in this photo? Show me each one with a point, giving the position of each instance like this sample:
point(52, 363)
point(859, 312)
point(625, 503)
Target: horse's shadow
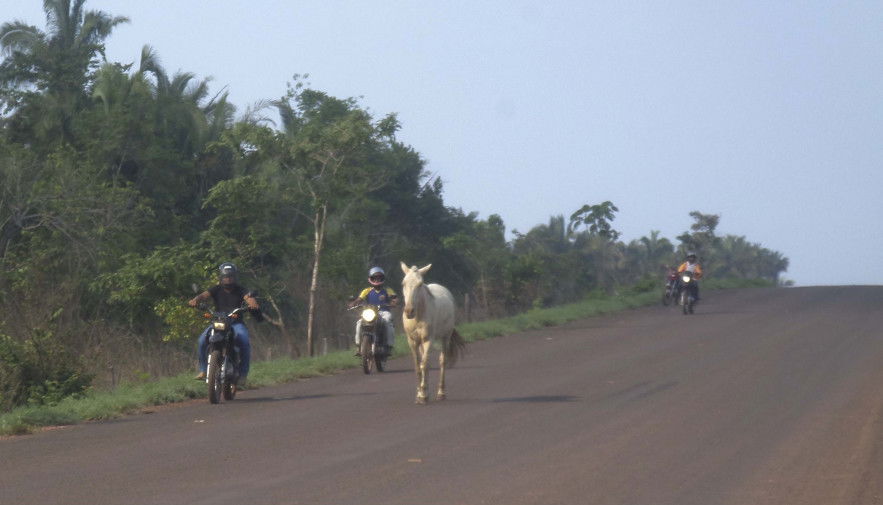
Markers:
point(396, 371)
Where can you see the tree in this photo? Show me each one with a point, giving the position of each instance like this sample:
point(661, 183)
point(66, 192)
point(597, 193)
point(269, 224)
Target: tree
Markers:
point(54, 65)
point(647, 255)
point(596, 218)
point(702, 240)
point(483, 246)
point(330, 143)
point(600, 239)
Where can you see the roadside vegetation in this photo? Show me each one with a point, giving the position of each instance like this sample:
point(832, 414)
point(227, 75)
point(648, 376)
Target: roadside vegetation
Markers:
point(123, 186)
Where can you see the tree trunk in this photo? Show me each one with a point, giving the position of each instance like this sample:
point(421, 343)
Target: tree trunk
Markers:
point(293, 350)
point(319, 231)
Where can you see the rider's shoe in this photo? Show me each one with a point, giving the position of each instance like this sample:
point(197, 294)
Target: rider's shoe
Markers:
point(200, 376)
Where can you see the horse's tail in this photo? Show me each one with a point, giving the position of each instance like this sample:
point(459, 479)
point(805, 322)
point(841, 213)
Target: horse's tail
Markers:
point(456, 348)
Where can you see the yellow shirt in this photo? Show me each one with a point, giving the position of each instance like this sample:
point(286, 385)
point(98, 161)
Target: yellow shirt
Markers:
point(691, 267)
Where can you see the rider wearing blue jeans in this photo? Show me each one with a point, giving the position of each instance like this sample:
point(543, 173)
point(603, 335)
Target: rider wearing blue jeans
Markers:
point(227, 296)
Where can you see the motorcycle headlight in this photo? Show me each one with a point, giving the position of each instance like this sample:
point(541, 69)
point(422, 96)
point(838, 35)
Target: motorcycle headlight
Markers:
point(685, 278)
point(220, 325)
point(368, 315)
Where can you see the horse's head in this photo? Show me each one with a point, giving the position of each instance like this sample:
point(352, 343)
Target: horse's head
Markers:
point(410, 285)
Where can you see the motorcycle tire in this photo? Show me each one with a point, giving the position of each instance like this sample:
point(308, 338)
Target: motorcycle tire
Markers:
point(666, 298)
point(378, 363)
point(229, 386)
point(367, 356)
point(213, 377)
point(683, 302)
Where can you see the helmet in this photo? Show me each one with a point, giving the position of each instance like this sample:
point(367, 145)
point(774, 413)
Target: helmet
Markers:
point(691, 255)
point(228, 271)
point(376, 276)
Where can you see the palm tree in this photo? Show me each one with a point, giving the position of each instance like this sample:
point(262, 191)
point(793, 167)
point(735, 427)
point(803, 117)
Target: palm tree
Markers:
point(656, 252)
point(50, 70)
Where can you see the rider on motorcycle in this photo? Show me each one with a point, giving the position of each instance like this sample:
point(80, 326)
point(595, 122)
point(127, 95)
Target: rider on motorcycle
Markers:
point(383, 297)
point(228, 295)
point(671, 275)
point(692, 266)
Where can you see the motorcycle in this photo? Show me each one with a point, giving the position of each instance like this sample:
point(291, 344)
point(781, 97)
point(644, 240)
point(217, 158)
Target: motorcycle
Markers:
point(687, 292)
point(372, 352)
point(670, 293)
point(223, 355)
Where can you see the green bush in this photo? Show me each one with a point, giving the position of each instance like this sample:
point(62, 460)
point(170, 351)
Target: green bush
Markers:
point(38, 371)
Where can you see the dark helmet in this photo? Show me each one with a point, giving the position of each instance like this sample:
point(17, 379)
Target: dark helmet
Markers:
point(376, 276)
point(228, 271)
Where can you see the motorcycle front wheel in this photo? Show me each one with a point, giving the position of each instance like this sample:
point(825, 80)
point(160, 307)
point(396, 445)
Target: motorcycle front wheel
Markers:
point(367, 356)
point(214, 377)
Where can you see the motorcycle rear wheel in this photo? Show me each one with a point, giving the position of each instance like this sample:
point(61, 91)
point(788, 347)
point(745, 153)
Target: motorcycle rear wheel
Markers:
point(214, 377)
point(378, 363)
point(229, 386)
point(229, 391)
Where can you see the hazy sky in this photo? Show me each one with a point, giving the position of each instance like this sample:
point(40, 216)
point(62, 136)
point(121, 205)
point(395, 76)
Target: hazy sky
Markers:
point(769, 113)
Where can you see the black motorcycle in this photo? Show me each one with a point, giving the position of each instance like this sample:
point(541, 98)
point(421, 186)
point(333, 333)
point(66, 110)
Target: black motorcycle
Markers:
point(371, 348)
point(223, 355)
point(670, 293)
point(687, 291)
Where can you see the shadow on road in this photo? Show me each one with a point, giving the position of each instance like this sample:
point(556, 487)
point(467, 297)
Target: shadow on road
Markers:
point(267, 399)
point(537, 399)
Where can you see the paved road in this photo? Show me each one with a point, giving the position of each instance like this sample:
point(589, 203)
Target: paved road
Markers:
point(764, 396)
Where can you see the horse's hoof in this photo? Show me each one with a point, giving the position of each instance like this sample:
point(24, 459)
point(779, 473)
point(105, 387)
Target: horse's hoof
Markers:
point(420, 401)
point(440, 396)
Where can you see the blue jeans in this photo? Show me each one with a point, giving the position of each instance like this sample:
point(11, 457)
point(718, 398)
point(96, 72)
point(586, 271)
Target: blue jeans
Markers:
point(240, 338)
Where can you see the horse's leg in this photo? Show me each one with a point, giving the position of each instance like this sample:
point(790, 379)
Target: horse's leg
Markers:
point(415, 357)
point(423, 374)
point(440, 395)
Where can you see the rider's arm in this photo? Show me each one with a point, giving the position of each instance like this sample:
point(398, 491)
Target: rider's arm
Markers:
point(698, 271)
point(361, 298)
point(253, 307)
point(251, 302)
point(205, 295)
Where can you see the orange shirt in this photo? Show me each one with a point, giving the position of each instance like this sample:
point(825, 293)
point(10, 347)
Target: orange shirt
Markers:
point(691, 267)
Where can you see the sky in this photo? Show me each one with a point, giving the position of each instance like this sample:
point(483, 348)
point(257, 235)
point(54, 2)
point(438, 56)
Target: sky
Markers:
point(768, 113)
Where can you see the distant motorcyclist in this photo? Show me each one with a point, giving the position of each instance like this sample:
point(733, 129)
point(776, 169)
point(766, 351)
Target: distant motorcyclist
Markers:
point(384, 298)
point(671, 275)
point(228, 295)
point(692, 265)
point(671, 284)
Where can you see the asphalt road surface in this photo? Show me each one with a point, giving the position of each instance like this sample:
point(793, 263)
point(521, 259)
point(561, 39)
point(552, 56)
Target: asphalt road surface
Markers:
point(764, 396)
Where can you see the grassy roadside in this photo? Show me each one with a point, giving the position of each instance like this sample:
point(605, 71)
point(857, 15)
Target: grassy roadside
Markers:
point(131, 398)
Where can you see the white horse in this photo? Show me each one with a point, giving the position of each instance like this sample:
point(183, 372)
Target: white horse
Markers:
point(428, 315)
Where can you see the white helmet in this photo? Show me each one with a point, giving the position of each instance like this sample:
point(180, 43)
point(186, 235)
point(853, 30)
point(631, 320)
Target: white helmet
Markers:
point(376, 276)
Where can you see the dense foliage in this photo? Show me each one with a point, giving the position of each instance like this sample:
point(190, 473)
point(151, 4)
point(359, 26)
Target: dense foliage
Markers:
point(122, 188)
